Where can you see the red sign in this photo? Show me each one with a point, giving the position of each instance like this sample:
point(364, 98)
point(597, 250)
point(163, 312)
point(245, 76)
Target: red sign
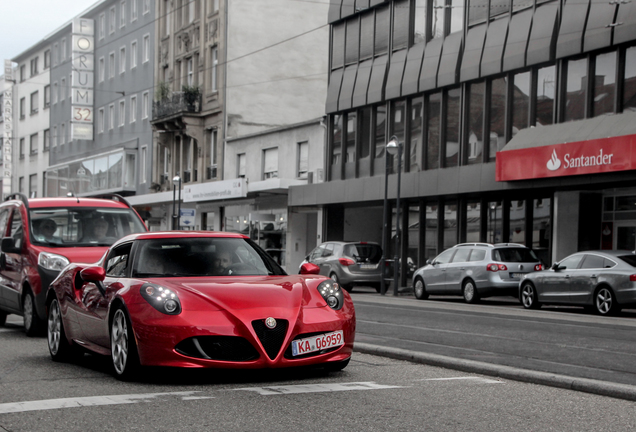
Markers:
point(583, 157)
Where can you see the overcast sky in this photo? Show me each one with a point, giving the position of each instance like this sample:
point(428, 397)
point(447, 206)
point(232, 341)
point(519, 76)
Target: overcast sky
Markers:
point(26, 22)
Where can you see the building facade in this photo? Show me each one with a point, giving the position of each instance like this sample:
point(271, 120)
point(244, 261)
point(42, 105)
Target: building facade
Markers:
point(516, 121)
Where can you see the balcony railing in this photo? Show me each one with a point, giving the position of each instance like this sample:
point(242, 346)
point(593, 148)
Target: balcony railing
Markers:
point(176, 103)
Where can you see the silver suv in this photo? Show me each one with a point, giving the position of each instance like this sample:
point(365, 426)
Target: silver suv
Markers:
point(476, 270)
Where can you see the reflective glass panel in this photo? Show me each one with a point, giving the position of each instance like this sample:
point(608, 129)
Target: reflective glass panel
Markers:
point(576, 90)
point(546, 85)
point(352, 124)
point(475, 142)
point(473, 221)
point(417, 106)
point(605, 83)
point(518, 222)
point(629, 85)
point(450, 225)
point(452, 127)
point(433, 130)
point(495, 222)
point(431, 232)
point(520, 102)
point(419, 30)
point(380, 130)
point(337, 139)
point(497, 117)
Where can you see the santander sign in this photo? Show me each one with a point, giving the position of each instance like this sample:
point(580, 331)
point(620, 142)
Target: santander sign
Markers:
point(583, 157)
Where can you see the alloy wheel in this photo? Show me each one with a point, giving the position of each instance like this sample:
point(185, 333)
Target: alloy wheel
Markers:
point(119, 342)
point(54, 328)
point(604, 301)
point(27, 309)
point(527, 296)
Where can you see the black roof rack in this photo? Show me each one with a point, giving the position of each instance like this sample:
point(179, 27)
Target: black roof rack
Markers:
point(18, 196)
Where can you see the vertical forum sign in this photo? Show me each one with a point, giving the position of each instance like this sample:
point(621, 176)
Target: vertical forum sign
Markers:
point(7, 135)
point(82, 82)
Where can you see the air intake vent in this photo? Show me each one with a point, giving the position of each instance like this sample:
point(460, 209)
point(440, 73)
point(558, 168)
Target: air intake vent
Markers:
point(226, 348)
point(271, 339)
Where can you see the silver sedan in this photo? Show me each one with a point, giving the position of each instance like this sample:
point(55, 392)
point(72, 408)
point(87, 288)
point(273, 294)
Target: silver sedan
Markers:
point(604, 281)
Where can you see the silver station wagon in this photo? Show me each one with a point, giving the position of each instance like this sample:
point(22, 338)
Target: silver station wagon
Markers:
point(476, 270)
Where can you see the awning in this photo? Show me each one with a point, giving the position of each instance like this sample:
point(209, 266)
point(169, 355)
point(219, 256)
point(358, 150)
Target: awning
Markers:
point(592, 146)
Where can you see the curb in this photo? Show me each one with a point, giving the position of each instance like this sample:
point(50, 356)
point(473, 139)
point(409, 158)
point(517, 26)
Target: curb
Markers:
point(603, 388)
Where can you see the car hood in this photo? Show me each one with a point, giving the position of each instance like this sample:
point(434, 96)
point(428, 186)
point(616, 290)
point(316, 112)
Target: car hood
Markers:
point(228, 293)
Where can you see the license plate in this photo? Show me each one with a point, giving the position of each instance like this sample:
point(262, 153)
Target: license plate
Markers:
point(516, 275)
point(317, 343)
point(368, 266)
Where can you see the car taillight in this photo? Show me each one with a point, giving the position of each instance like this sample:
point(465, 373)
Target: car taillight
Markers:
point(632, 278)
point(496, 267)
point(346, 261)
point(538, 267)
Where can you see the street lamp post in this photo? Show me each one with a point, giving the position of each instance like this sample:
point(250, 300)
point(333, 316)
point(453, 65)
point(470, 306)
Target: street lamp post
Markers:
point(392, 147)
point(176, 216)
point(385, 217)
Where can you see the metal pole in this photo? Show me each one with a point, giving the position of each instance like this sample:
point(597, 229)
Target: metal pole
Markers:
point(384, 222)
point(179, 214)
point(174, 200)
point(396, 260)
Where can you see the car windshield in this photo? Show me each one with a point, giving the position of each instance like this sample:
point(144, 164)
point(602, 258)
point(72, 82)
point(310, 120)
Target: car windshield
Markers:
point(363, 253)
point(629, 259)
point(515, 255)
point(79, 226)
point(173, 257)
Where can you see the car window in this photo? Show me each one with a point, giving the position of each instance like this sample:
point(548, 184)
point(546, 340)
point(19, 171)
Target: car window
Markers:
point(16, 228)
point(571, 262)
point(117, 261)
point(461, 255)
point(629, 259)
point(317, 253)
point(444, 257)
point(4, 216)
point(477, 255)
point(608, 263)
point(363, 253)
point(515, 255)
point(592, 262)
point(328, 250)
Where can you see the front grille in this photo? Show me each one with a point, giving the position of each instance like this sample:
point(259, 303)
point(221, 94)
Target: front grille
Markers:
point(226, 348)
point(271, 339)
point(288, 351)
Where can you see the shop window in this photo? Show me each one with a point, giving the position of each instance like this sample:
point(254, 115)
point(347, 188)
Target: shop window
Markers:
point(352, 126)
point(415, 135)
point(475, 134)
point(495, 222)
point(576, 90)
point(433, 111)
point(452, 127)
point(629, 83)
point(497, 111)
point(541, 230)
point(544, 97)
point(473, 221)
point(517, 222)
point(430, 248)
point(450, 225)
point(520, 102)
point(604, 84)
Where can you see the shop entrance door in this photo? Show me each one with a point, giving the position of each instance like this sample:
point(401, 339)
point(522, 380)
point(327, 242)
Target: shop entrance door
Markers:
point(625, 235)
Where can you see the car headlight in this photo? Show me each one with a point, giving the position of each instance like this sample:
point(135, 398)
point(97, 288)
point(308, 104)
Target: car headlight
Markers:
point(51, 261)
point(332, 293)
point(164, 300)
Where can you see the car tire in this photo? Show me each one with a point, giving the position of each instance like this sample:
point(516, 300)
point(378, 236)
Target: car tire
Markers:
point(32, 322)
point(528, 296)
point(378, 287)
point(334, 277)
point(3, 318)
point(419, 289)
point(469, 291)
point(337, 366)
point(605, 301)
point(59, 347)
point(123, 348)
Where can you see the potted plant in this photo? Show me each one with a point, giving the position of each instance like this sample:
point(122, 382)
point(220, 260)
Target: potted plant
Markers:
point(191, 96)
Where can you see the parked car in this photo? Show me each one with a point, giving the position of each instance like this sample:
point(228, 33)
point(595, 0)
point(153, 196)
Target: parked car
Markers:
point(198, 299)
point(604, 281)
point(349, 263)
point(40, 236)
point(476, 270)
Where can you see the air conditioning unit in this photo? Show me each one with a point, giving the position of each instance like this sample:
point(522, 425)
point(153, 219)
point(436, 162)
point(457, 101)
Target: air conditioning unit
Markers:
point(186, 176)
point(163, 178)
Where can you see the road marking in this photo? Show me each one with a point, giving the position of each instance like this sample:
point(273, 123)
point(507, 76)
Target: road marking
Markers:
point(77, 402)
point(480, 379)
point(316, 388)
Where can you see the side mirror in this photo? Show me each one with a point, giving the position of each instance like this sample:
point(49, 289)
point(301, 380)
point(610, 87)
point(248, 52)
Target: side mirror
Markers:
point(309, 268)
point(95, 275)
point(556, 267)
point(8, 246)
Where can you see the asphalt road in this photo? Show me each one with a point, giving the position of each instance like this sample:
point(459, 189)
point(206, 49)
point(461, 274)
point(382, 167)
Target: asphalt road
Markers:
point(499, 331)
point(371, 394)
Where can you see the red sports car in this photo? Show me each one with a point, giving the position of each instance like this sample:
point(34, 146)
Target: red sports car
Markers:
point(198, 300)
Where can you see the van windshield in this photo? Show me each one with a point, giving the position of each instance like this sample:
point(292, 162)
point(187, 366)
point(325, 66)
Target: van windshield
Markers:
point(77, 226)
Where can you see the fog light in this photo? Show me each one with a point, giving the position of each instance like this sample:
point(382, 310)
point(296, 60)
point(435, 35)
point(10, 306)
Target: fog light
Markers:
point(332, 301)
point(170, 306)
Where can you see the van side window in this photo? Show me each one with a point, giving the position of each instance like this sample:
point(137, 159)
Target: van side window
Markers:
point(477, 255)
point(4, 216)
point(461, 255)
point(16, 228)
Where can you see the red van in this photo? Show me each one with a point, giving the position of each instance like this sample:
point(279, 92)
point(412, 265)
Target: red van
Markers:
point(41, 236)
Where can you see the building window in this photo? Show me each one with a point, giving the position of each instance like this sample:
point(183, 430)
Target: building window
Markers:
point(111, 116)
point(190, 72)
point(545, 95)
point(437, 18)
point(146, 49)
point(133, 54)
point(56, 53)
point(34, 66)
point(336, 139)
point(122, 60)
point(47, 96)
point(270, 163)
point(452, 120)
point(63, 49)
point(111, 65)
point(22, 148)
point(22, 73)
point(62, 133)
point(416, 108)
point(520, 102)
point(55, 137)
point(433, 125)
point(629, 82)
point(133, 10)
point(191, 11)
point(214, 55)
point(379, 131)
point(352, 134)
point(419, 29)
point(167, 11)
point(604, 84)
point(215, 6)
point(111, 20)
point(302, 165)
point(475, 138)
point(100, 120)
point(21, 185)
point(400, 27)
point(366, 131)
point(33, 185)
point(22, 108)
point(497, 114)
point(575, 90)
point(146, 6)
point(212, 157)
point(133, 109)
point(47, 140)
point(102, 26)
point(145, 101)
point(142, 164)
point(33, 144)
point(47, 59)
point(122, 14)
point(122, 113)
point(241, 165)
point(55, 92)
point(101, 71)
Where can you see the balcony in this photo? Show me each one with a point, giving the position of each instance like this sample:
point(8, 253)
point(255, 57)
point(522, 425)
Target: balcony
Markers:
point(176, 103)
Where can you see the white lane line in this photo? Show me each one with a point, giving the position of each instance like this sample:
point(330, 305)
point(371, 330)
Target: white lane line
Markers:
point(77, 402)
point(316, 388)
point(480, 379)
